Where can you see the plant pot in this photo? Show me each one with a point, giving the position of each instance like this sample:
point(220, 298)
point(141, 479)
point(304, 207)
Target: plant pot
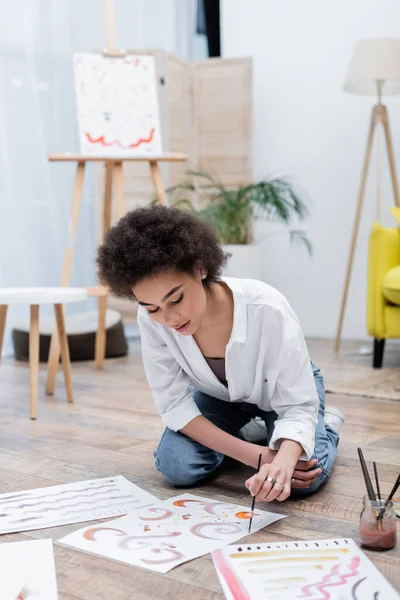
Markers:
point(245, 261)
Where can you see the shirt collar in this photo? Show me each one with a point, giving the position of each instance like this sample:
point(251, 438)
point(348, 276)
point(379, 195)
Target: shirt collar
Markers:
point(239, 329)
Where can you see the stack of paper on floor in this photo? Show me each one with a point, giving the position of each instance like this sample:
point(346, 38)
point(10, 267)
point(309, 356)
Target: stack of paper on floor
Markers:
point(27, 568)
point(70, 503)
point(314, 570)
point(169, 533)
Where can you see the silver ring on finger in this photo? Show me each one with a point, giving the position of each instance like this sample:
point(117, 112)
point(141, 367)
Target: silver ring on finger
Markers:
point(293, 479)
point(270, 479)
point(280, 483)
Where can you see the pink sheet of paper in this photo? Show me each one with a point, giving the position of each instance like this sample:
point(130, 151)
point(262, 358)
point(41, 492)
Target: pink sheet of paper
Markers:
point(169, 533)
point(312, 570)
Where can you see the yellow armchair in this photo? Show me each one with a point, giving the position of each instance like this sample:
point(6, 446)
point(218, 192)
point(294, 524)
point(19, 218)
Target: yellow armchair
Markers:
point(383, 299)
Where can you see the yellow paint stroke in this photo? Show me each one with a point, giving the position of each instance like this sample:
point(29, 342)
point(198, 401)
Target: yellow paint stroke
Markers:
point(274, 569)
point(285, 579)
point(292, 559)
point(318, 551)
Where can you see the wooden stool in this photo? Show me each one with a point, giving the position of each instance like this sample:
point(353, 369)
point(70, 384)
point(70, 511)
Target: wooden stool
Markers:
point(34, 297)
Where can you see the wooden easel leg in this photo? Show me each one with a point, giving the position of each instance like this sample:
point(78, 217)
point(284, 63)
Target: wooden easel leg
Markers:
point(157, 181)
point(100, 349)
point(3, 315)
point(34, 360)
point(385, 121)
point(356, 225)
point(119, 189)
point(65, 358)
point(54, 354)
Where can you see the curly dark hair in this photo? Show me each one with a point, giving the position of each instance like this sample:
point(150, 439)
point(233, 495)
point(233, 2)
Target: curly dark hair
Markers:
point(147, 241)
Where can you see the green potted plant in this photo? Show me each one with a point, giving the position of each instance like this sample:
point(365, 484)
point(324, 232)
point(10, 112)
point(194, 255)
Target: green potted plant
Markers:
point(232, 210)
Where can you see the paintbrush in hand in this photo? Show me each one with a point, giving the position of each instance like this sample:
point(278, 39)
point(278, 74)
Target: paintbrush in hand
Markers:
point(254, 498)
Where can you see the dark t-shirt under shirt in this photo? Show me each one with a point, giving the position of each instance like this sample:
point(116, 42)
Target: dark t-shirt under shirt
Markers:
point(217, 366)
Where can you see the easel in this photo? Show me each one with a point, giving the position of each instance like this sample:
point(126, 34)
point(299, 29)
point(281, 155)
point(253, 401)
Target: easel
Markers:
point(113, 174)
point(379, 118)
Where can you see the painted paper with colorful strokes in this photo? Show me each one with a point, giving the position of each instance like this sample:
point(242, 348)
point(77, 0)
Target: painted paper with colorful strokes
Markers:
point(169, 533)
point(117, 105)
point(314, 570)
point(76, 502)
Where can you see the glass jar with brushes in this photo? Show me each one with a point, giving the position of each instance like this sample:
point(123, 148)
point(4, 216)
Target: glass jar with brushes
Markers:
point(378, 524)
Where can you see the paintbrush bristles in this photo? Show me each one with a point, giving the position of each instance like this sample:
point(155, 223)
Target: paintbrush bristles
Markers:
point(367, 479)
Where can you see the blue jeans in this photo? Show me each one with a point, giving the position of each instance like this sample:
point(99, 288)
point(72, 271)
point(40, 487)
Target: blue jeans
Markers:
point(185, 462)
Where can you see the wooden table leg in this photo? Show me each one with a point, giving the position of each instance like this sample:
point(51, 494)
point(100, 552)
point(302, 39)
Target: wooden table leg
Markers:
point(34, 360)
point(100, 349)
point(157, 181)
point(65, 358)
point(3, 315)
point(54, 354)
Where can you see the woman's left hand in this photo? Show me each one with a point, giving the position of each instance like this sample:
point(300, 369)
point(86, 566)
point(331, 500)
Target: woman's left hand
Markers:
point(272, 482)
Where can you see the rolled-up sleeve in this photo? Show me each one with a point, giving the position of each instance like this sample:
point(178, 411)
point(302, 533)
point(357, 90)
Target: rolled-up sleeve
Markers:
point(295, 398)
point(168, 382)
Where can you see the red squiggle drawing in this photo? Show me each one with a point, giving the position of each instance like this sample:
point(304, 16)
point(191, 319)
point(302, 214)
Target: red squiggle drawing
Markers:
point(167, 513)
point(219, 530)
point(182, 503)
point(101, 140)
point(90, 534)
point(175, 556)
point(339, 579)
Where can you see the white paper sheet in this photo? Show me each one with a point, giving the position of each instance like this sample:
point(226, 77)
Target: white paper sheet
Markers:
point(117, 105)
point(314, 570)
point(169, 533)
point(70, 503)
point(28, 566)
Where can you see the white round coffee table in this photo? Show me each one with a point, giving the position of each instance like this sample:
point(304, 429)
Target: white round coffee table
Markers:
point(34, 296)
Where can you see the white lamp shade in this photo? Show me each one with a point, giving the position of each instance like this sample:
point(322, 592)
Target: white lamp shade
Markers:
point(373, 61)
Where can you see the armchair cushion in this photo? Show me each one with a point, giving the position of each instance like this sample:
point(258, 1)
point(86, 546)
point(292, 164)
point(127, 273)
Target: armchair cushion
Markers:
point(391, 285)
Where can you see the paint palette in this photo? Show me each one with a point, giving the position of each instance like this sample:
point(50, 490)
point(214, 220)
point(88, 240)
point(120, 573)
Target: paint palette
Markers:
point(169, 533)
point(315, 570)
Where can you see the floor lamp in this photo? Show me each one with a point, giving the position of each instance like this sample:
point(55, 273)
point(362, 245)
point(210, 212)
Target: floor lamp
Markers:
point(374, 71)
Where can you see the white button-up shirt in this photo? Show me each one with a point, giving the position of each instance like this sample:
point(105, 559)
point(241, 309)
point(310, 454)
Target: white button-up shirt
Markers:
point(266, 361)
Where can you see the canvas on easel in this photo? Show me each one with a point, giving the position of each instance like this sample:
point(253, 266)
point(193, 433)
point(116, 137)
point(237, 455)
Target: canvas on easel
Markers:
point(117, 105)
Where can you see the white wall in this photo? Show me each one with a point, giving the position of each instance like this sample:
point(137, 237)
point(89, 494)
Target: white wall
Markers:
point(38, 116)
point(305, 125)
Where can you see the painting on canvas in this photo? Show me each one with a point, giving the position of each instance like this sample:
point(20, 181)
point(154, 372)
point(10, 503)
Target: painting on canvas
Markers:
point(117, 105)
point(314, 570)
point(169, 533)
point(70, 503)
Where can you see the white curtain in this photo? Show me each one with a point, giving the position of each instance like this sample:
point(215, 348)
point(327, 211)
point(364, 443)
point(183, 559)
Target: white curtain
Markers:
point(37, 116)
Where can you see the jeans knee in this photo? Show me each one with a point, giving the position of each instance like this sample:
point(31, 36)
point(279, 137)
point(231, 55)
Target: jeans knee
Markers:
point(184, 462)
point(303, 492)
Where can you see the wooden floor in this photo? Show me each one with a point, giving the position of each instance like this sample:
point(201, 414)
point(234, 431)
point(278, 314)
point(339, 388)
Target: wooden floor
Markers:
point(113, 429)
